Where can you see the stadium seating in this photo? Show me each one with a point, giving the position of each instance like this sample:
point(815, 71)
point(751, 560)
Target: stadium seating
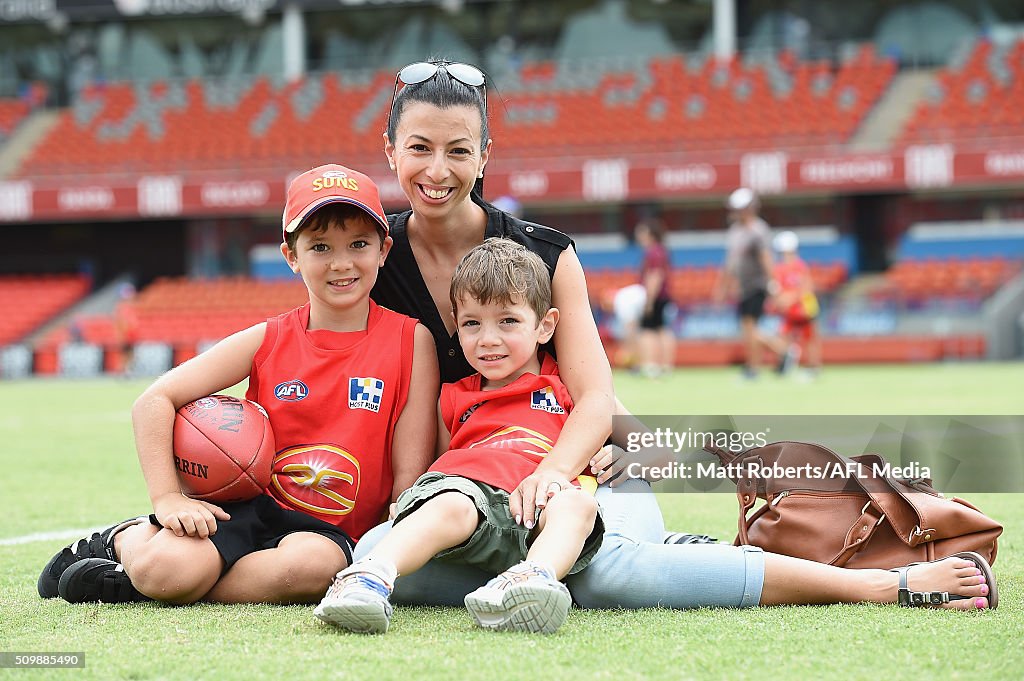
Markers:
point(982, 98)
point(199, 124)
point(691, 286)
point(28, 301)
point(14, 110)
point(915, 282)
point(186, 312)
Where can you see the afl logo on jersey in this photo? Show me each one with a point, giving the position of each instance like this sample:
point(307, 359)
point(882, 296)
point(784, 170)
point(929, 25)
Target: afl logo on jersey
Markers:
point(469, 412)
point(291, 391)
point(322, 480)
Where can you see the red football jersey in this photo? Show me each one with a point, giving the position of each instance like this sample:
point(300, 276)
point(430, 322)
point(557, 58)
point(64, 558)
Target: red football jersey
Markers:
point(499, 436)
point(790, 275)
point(333, 400)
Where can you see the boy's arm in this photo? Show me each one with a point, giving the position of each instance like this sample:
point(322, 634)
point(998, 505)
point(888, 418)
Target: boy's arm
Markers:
point(222, 366)
point(412, 447)
point(444, 438)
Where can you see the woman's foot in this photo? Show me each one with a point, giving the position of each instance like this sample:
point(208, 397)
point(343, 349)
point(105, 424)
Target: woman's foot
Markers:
point(963, 581)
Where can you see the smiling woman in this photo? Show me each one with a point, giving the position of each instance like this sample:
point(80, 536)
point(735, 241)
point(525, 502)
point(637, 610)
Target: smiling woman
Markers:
point(438, 144)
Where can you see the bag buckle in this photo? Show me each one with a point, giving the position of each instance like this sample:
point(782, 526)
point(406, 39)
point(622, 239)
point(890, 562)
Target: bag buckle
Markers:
point(865, 510)
point(917, 532)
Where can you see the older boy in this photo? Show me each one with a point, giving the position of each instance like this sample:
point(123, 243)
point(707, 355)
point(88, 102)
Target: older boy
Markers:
point(495, 427)
point(283, 546)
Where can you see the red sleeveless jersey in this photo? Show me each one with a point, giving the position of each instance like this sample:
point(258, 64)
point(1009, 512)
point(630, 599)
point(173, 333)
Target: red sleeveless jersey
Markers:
point(333, 399)
point(790, 276)
point(499, 436)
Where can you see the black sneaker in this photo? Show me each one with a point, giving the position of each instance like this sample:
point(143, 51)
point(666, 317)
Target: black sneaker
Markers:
point(682, 538)
point(99, 545)
point(98, 580)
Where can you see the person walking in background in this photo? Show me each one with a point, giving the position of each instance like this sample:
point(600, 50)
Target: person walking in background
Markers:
point(126, 324)
point(745, 275)
point(794, 300)
point(656, 343)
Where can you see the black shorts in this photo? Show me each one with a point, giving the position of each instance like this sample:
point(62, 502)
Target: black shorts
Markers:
point(752, 305)
point(655, 318)
point(260, 523)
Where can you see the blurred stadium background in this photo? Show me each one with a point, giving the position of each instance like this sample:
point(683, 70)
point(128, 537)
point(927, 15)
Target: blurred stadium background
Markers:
point(145, 146)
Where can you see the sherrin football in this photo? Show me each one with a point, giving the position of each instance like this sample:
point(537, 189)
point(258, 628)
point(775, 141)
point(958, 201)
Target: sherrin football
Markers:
point(223, 449)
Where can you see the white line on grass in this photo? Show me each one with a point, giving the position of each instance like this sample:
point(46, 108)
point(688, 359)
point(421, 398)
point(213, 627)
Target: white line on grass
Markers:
point(49, 536)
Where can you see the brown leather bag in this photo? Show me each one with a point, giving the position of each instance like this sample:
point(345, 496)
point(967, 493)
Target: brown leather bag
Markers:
point(863, 519)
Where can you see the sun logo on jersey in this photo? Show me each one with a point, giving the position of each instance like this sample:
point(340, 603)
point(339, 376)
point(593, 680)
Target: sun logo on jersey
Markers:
point(517, 437)
point(545, 400)
point(322, 480)
point(365, 393)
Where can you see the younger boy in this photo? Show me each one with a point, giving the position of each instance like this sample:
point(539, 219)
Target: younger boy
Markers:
point(495, 427)
point(361, 433)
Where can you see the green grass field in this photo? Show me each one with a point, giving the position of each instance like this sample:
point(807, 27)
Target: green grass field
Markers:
point(70, 464)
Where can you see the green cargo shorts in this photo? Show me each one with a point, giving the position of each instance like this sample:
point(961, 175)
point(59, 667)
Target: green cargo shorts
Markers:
point(498, 542)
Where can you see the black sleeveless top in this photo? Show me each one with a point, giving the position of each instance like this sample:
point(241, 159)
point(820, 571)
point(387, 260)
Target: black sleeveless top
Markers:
point(400, 284)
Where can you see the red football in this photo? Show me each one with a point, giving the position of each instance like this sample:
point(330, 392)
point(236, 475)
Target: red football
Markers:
point(223, 449)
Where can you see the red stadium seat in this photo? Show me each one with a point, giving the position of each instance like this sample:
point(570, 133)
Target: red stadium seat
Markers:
point(662, 101)
point(28, 301)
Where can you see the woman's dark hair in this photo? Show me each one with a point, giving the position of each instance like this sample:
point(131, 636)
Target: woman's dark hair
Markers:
point(444, 92)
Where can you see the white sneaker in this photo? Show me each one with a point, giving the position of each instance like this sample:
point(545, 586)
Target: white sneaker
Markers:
point(357, 601)
point(526, 597)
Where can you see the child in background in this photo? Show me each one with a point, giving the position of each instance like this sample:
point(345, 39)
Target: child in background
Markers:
point(495, 428)
point(795, 301)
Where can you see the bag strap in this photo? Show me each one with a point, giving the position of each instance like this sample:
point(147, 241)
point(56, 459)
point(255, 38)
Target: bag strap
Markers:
point(860, 534)
point(887, 496)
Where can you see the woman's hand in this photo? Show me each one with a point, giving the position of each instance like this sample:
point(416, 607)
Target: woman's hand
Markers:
point(612, 463)
point(185, 516)
point(533, 493)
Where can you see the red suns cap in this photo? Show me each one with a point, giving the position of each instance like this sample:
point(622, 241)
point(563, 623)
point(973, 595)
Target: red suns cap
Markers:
point(326, 184)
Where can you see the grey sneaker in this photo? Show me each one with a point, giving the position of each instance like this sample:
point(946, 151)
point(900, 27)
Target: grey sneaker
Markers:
point(357, 601)
point(99, 545)
point(526, 597)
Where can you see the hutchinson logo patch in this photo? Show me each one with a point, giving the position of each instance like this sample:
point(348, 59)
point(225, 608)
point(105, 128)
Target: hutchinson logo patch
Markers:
point(291, 391)
point(365, 393)
point(544, 400)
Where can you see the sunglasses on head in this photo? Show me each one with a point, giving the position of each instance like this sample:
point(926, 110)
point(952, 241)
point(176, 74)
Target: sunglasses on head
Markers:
point(422, 71)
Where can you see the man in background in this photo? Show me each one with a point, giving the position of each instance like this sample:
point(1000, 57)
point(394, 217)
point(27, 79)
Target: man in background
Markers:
point(747, 271)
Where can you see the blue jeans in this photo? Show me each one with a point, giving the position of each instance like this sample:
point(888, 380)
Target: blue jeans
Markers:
point(633, 569)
